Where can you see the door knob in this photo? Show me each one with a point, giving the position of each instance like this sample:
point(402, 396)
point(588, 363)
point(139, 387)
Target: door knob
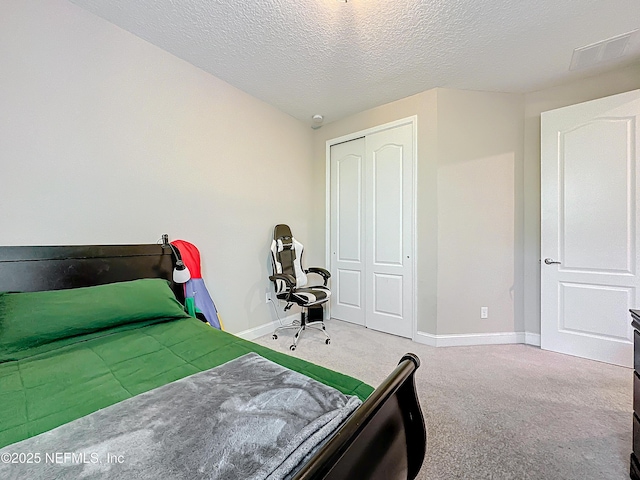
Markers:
point(550, 261)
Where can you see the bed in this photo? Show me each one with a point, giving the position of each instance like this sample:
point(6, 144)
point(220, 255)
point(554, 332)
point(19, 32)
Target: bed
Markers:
point(56, 382)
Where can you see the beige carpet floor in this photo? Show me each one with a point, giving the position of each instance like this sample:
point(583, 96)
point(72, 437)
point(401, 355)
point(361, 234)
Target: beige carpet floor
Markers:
point(496, 412)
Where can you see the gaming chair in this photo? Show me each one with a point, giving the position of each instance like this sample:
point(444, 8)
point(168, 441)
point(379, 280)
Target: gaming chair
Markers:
point(290, 282)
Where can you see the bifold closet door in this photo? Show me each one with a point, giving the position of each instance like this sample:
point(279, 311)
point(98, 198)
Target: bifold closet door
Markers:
point(389, 230)
point(372, 230)
point(347, 231)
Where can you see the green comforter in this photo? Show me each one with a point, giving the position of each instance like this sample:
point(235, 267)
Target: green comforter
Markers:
point(45, 390)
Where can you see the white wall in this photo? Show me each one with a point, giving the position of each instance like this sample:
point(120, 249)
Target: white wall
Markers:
point(617, 81)
point(108, 139)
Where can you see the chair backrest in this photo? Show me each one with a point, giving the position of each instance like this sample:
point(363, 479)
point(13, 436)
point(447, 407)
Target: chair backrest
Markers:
point(286, 257)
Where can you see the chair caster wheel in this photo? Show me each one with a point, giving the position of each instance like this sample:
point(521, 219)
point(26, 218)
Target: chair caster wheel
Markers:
point(274, 336)
point(292, 348)
point(327, 341)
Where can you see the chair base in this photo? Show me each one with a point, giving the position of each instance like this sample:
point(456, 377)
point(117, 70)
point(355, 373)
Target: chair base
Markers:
point(302, 324)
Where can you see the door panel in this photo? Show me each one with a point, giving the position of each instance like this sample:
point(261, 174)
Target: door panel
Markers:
point(390, 303)
point(386, 169)
point(388, 244)
point(346, 237)
point(584, 306)
point(589, 219)
point(348, 291)
point(349, 181)
point(586, 179)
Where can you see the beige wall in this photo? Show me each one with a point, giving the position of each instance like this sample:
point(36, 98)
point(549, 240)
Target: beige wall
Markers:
point(108, 139)
point(618, 81)
point(479, 198)
point(480, 212)
point(103, 134)
point(468, 210)
point(424, 106)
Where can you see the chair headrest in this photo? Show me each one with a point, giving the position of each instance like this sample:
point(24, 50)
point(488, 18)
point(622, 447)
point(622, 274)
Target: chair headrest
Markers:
point(285, 243)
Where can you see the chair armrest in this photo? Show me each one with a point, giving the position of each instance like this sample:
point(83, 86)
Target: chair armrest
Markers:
point(288, 279)
point(320, 271)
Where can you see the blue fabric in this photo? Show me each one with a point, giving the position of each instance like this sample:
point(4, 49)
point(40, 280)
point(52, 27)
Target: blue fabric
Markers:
point(198, 290)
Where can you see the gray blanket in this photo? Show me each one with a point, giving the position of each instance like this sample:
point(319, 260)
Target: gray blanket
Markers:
point(247, 419)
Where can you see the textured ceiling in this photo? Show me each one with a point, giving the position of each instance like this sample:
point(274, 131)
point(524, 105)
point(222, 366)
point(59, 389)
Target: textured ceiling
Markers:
point(333, 58)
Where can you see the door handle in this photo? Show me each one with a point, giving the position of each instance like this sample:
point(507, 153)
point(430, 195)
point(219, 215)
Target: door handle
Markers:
point(551, 261)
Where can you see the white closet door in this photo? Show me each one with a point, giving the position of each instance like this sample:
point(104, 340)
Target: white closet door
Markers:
point(371, 237)
point(347, 231)
point(389, 230)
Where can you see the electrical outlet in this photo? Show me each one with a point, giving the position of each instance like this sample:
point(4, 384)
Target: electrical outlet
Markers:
point(484, 312)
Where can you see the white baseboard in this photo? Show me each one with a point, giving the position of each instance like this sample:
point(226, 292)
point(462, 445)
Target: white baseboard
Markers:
point(532, 338)
point(265, 328)
point(426, 339)
point(451, 340)
point(468, 339)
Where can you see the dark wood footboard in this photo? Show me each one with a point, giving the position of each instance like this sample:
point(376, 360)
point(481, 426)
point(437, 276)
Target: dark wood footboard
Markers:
point(385, 438)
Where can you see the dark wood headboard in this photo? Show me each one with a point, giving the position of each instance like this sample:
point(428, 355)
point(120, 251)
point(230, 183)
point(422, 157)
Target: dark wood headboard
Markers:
point(37, 268)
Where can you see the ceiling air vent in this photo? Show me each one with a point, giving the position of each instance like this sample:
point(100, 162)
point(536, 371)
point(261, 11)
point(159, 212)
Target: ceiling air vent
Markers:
point(600, 52)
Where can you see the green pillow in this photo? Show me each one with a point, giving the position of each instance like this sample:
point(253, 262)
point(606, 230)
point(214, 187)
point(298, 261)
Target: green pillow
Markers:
point(34, 322)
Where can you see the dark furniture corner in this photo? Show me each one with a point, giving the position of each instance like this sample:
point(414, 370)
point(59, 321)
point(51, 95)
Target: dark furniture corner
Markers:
point(634, 468)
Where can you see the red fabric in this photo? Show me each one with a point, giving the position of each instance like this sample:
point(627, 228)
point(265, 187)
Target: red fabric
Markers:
point(190, 256)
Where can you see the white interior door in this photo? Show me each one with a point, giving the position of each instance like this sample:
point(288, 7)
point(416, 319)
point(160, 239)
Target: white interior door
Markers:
point(589, 219)
point(371, 238)
point(347, 231)
point(389, 230)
